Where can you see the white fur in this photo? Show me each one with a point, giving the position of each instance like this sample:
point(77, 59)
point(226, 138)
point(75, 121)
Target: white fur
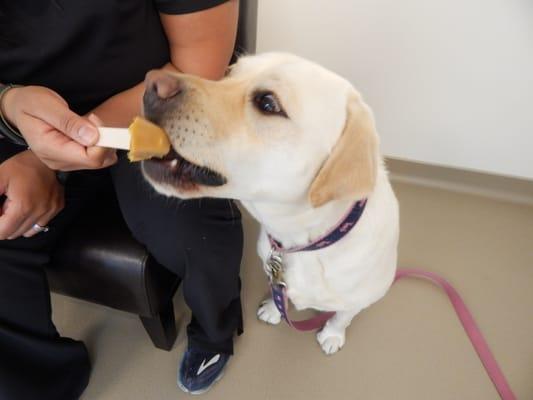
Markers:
point(270, 163)
point(345, 277)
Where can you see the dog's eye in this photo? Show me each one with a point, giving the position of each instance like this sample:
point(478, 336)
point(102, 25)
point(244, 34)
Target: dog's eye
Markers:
point(267, 103)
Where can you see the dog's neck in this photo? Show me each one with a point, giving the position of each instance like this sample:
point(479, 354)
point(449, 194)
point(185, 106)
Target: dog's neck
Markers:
point(299, 223)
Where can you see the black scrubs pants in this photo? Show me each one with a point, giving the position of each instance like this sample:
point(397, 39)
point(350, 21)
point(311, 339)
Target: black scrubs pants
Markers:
point(200, 240)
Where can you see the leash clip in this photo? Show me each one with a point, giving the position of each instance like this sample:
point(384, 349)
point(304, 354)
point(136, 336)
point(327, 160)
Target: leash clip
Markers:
point(274, 268)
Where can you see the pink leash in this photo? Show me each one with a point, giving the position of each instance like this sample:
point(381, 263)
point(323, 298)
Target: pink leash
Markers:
point(279, 294)
point(469, 325)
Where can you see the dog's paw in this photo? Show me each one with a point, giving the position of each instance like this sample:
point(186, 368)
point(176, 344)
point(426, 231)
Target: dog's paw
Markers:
point(268, 312)
point(330, 339)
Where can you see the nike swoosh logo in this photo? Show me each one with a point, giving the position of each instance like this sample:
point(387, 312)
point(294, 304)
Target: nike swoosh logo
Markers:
point(205, 365)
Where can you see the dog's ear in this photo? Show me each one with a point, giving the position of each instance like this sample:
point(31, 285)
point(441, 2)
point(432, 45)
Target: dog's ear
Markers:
point(350, 170)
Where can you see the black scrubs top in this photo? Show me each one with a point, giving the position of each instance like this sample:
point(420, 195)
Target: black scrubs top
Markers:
point(86, 50)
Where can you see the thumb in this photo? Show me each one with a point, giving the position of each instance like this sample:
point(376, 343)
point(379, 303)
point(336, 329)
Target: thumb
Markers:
point(78, 128)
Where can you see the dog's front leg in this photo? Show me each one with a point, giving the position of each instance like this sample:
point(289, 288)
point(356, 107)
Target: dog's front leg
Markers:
point(268, 312)
point(332, 336)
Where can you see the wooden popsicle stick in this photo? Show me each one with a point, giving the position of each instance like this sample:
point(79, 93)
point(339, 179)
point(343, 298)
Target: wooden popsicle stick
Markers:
point(115, 138)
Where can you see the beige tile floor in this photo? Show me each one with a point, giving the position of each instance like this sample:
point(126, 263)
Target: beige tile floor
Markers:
point(408, 346)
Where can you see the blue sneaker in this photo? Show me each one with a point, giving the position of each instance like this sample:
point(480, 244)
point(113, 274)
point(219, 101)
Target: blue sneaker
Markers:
point(199, 370)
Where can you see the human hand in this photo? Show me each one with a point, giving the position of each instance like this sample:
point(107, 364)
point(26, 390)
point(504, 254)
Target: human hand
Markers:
point(33, 195)
point(60, 138)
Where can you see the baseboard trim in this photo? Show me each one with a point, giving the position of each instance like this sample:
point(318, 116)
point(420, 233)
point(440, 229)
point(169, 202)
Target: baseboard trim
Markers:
point(496, 187)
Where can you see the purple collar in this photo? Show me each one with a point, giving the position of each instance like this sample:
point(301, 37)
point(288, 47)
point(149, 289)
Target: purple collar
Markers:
point(334, 235)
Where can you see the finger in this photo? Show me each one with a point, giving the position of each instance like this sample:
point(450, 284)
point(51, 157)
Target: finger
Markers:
point(95, 119)
point(59, 116)
point(43, 221)
point(48, 216)
point(53, 144)
point(59, 152)
point(31, 232)
point(107, 156)
point(12, 217)
point(27, 224)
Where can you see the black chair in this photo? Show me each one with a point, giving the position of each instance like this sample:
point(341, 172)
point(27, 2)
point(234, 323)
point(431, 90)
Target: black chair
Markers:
point(99, 260)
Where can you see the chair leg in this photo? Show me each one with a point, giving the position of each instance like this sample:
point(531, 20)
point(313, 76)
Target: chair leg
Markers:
point(162, 327)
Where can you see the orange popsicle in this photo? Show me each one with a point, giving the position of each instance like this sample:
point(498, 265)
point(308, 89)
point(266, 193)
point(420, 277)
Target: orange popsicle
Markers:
point(143, 139)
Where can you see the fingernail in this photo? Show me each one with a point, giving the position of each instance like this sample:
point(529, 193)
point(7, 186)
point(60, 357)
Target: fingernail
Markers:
point(87, 135)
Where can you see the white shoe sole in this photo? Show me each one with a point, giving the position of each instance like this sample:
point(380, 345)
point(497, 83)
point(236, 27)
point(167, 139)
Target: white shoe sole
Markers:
point(202, 391)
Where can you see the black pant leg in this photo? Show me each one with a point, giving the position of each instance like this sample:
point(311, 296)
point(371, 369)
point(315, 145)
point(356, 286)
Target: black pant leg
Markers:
point(201, 241)
point(35, 362)
point(211, 286)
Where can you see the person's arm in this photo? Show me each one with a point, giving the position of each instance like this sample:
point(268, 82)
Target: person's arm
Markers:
point(201, 43)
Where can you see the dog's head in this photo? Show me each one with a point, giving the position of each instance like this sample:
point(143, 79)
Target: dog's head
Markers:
point(277, 128)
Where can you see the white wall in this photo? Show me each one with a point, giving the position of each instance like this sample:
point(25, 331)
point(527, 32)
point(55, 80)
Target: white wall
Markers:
point(450, 81)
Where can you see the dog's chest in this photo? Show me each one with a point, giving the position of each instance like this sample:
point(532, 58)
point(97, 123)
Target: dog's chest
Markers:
point(308, 283)
point(335, 278)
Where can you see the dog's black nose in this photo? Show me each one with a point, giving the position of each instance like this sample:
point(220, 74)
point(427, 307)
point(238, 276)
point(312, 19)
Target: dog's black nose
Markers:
point(163, 84)
point(162, 94)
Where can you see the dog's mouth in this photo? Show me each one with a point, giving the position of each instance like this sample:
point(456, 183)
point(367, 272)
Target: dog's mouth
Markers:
point(175, 170)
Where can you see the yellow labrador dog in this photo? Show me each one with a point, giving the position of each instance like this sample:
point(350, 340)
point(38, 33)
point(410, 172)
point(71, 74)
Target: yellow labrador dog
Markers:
point(297, 146)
